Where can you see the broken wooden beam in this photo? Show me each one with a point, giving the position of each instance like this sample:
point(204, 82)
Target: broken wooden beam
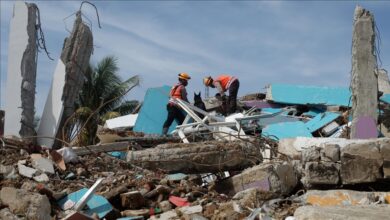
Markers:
point(201, 157)
point(117, 146)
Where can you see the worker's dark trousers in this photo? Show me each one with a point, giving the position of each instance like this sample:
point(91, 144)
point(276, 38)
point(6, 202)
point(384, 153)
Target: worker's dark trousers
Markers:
point(232, 100)
point(174, 113)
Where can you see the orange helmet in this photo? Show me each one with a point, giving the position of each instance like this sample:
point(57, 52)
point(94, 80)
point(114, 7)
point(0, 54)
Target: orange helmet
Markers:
point(207, 81)
point(184, 76)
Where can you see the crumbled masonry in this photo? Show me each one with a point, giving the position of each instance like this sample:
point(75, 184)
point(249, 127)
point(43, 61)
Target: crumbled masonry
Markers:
point(294, 153)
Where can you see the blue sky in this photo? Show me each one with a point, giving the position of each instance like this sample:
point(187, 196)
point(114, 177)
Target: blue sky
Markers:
point(261, 42)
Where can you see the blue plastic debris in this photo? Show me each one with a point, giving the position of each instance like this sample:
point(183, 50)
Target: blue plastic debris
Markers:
point(271, 110)
point(321, 120)
point(153, 112)
point(385, 98)
point(118, 154)
point(286, 130)
point(96, 204)
point(295, 94)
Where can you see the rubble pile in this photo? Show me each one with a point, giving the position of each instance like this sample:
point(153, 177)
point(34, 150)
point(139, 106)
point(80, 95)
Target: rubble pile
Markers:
point(294, 152)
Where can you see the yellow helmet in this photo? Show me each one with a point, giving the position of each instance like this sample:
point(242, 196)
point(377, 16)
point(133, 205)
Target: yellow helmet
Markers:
point(184, 76)
point(207, 81)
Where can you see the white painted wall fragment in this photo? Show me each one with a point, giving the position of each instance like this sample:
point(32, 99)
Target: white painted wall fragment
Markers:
point(21, 71)
point(52, 112)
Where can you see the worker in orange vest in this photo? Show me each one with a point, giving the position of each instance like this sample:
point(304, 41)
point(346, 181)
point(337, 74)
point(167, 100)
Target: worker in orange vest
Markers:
point(174, 112)
point(224, 83)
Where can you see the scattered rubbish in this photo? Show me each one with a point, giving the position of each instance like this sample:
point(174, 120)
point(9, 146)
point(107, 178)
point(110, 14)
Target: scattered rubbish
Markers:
point(96, 204)
point(294, 152)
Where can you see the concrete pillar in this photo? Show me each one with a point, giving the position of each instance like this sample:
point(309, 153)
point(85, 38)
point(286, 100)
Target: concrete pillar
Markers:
point(383, 81)
point(21, 76)
point(364, 83)
point(67, 82)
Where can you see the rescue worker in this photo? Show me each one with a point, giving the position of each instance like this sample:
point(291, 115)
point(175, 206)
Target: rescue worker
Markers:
point(174, 112)
point(225, 83)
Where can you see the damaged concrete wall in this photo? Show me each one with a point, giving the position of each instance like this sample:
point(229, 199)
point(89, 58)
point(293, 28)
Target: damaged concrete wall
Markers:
point(364, 83)
point(383, 81)
point(67, 82)
point(22, 66)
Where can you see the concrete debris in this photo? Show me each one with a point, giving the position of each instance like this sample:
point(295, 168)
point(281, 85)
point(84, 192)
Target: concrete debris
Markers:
point(43, 178)
point(292, 153)
point(68, 80)
point(43, 164)
point(26, 171)
point(21, 202)
point(360, 163)
point(197, 158)
point(363, 212)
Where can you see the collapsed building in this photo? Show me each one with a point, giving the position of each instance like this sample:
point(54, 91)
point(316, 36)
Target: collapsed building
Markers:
point(296, 152)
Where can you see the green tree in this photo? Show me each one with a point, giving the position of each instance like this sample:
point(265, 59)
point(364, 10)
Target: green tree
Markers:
point(101, 98)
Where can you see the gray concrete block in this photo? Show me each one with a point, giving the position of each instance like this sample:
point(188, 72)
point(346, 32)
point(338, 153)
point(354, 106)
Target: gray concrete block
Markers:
point(361, 163)
point(330, 152)
point(324, 173)
point(43, 164)
point(311, 154)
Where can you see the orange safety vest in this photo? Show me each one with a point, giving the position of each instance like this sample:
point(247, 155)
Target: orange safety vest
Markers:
point(176, 91)
point(225, 81)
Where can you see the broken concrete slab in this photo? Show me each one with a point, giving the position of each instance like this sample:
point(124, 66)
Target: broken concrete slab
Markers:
point(7, 172)
point(204, 157)
point(361, 163)
point(6, 214)
point(21, 202)
point(366, 212)
point(43, 164)
point(296, 94)
point(293, 147)
point(188, 210)
point(21, 72)
point(343, 197)
point(364, 84)
point(26, 171)
point(273, 178)
point(117, 146)
point(43, 178)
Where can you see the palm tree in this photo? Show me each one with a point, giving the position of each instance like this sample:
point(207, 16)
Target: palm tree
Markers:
point(101, 98)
